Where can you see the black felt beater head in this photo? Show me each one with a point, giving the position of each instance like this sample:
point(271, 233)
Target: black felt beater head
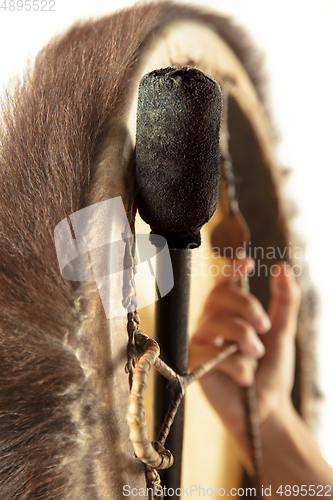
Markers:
point(178, 152)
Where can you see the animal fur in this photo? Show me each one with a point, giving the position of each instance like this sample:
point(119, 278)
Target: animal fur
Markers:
point(55, 127)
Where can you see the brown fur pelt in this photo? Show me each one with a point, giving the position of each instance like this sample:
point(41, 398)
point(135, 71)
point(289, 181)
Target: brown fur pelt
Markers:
point(54, 125)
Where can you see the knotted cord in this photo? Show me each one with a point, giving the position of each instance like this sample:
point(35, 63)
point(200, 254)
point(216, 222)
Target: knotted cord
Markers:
point(153, 454)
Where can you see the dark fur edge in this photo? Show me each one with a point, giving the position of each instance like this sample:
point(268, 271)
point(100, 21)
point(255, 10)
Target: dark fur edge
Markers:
point(53, 126)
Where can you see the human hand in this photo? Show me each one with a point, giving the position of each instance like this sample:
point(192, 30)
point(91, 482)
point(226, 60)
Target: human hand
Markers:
point(233, 315)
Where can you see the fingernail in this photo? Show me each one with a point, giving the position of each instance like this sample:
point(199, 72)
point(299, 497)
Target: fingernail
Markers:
point(248, 378)
point(251, 264)
point(264, 323)
point(218, 341)
point(257, 348)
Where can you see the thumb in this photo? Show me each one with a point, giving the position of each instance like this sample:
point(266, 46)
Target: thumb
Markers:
point(285, 300)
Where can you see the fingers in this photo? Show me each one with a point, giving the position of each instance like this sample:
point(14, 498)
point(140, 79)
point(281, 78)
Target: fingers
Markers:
point(232, 315)
point(237, 366)
point(227, 298)
point(233, 270)
point(217, 329)
point(285, 301)
point(235, 301)
point(240, 368)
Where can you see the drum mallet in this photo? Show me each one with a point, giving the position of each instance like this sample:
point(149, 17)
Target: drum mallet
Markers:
point(178, 171)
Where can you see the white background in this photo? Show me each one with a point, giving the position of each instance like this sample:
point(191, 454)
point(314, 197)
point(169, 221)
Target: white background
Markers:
point(297, 39)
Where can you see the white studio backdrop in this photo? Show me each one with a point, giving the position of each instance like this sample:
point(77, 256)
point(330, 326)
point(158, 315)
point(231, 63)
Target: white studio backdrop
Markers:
point(296, 37)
